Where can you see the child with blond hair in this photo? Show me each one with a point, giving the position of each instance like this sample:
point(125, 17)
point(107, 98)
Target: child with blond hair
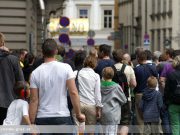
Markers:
point(150, 106)
point(113, 98)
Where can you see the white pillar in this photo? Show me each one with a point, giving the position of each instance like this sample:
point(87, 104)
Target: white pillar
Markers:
point(70, 10)
point(95, 19)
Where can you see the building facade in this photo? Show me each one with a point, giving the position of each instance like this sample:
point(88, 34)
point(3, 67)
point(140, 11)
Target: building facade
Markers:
point(20, 21)
point(156, 20)
point(100, 14)
point(23, 22)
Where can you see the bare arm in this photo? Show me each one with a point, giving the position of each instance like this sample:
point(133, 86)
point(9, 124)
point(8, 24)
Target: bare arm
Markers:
point(73, 92)
point(33, 105)
point(133, 83)
point(162, 82)
point(28, 122)
point(26, 119)
point(98, 93)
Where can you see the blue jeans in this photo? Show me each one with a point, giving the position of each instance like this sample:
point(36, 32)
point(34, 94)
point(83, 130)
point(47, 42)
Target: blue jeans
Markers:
point(165, 120)
point(54, 121)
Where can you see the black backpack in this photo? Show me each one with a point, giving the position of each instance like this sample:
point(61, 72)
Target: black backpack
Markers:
point(121, 79)
point(176, 93)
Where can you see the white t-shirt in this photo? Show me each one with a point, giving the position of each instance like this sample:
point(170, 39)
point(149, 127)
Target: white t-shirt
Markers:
point(50, 79)
point(17, 109)
point(129, 72)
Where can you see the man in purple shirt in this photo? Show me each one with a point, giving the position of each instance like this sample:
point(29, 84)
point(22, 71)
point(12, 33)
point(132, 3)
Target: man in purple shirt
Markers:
point(167, 68)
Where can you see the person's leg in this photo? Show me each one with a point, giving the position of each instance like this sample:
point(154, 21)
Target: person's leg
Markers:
point(165, 120)
point(3, 113)
point(155, 128)
point(106, 130)
point(124, 130)
point(174, 111)
point(90, 113)
point(115, 129)
point(111, 130)
point(125, 118)
point(179, 122)
point(139, 118)
point(80, 126)
point(132, 111)
point(147, 129)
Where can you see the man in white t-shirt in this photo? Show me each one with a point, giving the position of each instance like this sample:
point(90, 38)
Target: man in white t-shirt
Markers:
point(49, 84)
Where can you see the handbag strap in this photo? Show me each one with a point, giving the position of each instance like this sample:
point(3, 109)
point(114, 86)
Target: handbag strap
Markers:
point(76, 80)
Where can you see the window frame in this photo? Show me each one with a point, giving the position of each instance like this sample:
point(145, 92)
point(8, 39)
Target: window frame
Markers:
point(80, 7)
point(108, 16)
point(83, 15)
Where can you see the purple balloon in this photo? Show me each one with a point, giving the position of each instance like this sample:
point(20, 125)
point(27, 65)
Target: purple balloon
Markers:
point(64, 21)
point(64, 38)
point(90, 42)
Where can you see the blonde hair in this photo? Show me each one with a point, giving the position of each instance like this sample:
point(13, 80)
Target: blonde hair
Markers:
point(90, 61)
point(108, 73)
point(176, 62)
point(2, 39)
point(152, 82)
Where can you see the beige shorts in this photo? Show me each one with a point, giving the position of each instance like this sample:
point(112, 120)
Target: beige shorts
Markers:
point(89, 111)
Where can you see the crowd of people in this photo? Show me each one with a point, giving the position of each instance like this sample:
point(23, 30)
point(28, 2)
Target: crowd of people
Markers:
point(114, 89)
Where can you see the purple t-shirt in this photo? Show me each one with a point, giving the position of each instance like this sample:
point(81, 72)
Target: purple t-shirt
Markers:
point(167, 69)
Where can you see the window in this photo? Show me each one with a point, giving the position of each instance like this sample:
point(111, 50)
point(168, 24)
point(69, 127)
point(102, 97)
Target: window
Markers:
point(107, 18)
point(83, 13)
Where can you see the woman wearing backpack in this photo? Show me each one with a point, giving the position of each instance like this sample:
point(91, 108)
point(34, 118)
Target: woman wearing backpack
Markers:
point(172, 96)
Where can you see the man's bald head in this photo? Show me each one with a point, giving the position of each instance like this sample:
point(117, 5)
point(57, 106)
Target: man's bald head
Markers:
point(126, 57)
